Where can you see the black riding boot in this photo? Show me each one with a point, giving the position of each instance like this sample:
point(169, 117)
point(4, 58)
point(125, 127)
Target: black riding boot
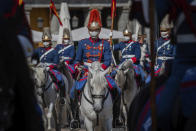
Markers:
point(61, 86)
point(62, 93)
point(75, 122)
point(117, 122)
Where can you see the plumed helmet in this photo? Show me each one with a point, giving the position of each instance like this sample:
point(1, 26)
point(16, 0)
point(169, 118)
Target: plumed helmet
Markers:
point(94, 20)
point(165, 25)
point(66, 33)
point(46, 34)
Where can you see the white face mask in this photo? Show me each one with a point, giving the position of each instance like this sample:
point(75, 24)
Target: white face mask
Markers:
point(46, 44)
point(127, 38)
point(66, 41)
point(164, 34)
point(93, 34)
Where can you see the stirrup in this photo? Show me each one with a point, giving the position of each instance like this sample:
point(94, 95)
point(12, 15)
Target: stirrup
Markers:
point(74, 124)
point(118, 123)
point(62, 101)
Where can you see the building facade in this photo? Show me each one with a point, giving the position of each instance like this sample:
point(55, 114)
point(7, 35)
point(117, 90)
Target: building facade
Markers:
point(39, 15)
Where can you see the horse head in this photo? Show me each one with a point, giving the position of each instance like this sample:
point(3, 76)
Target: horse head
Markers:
point(39, 76)
point(124, 71)
point(97, 85)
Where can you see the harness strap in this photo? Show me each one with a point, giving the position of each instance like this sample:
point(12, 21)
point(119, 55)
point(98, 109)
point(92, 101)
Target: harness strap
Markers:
point(87, 98)
point(166, 43)
point(64, 49)
point(97, 119)
point(101, 51)
point(45, 89)
point(47, 52)
point(127, 46)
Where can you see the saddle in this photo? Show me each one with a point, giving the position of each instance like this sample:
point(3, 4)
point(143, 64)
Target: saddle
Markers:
point(55, 80)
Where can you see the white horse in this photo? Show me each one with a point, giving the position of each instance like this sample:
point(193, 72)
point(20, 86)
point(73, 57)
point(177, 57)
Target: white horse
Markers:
point(125, 79)
point(47, 94)
point(96, 103)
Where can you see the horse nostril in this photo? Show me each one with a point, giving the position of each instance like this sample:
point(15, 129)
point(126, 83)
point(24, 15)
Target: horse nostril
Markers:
point(97, 109)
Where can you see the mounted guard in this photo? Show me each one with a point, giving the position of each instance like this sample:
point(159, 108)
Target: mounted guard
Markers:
point(165, 50)
point(90, 50)
point(145, 54)
point(48, 57)
point(130, 50)
point(180, 87)
point(66, 50)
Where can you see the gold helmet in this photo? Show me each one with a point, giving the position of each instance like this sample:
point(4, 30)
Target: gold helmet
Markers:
point(66, 34)
point(94, 20)
point(127, 32)
point(46, 34)
point(141, 35)
point(94, 26)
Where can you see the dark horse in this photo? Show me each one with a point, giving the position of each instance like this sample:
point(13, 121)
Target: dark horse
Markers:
point(18, 106)
point(139, 110)
point(184, 109)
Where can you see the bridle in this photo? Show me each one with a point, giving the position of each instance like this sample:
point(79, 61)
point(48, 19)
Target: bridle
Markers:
point(104, 97)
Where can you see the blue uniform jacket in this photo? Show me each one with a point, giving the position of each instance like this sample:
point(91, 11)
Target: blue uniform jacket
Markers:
point(90, 51)
point(132, 51)
point(166, 50)
point(47, 55)
point(66, 51)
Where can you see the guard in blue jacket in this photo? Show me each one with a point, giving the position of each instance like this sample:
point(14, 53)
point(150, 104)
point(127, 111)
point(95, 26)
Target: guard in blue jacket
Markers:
point(90, 50)
point(129, 48)
point(165, 50)
point(48, 56)
point(184, 34)
point(66, 50)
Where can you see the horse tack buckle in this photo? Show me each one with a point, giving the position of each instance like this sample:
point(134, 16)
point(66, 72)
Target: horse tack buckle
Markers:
point(74, 124)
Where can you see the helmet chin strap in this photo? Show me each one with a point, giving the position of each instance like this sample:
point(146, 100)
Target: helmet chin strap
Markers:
point(94, 37)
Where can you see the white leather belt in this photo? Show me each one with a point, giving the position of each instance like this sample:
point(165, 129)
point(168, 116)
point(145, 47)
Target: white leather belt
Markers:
point(87, 64)
point(65, 58)
point(128, 56)
point(165, 58)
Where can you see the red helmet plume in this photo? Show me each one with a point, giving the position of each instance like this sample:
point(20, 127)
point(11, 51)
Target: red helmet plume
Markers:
point(95, 19)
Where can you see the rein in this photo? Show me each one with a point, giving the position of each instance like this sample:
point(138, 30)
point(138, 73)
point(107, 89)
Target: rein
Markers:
point(47, 87)
point(96, 97)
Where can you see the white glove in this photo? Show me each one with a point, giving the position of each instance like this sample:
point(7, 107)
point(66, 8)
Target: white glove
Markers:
point(47, 68)
point(61, 59)
point(111, 34)
point(34, 62)
point(48, 64)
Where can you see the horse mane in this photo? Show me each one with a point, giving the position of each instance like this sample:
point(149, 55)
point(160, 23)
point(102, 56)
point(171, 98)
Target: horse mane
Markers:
point(96, 74)
point(63, 68)
point(40, 75)
point(128, 69)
